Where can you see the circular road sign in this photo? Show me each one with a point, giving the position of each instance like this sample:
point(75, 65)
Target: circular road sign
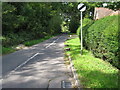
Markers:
point(81, 7)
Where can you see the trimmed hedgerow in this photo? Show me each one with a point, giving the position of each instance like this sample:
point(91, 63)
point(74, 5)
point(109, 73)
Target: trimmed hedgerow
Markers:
point(102, 39)
point(86, 24)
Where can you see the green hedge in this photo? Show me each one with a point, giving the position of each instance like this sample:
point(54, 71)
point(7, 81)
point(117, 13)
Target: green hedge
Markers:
point(86, 24)
point(102, 39)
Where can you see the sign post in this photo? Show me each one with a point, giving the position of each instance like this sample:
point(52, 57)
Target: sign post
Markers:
point(81, 8)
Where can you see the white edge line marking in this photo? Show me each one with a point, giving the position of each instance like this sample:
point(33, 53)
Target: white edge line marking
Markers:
point(26, 61)
point(22, 64)
point(30, 59)
point(52, 43)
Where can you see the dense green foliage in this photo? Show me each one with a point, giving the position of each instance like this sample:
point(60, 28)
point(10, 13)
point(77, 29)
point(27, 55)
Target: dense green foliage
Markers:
point(73, 25)
point(102, 39)
point(28, 21)
point(86, 24)
point(92, 72)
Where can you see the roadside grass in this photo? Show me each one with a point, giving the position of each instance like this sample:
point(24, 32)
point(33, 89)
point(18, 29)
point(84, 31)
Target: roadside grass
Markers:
point(33, 42)
point(7, 50)
point(92, 72)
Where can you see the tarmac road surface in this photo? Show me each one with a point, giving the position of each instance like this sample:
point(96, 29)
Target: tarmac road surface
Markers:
point(39, 66)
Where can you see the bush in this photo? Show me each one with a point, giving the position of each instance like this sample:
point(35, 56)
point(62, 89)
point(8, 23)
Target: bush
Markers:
point(102, 39)
point(86, 24)
point(28, 21)
point(74, 24)
point(55, 25)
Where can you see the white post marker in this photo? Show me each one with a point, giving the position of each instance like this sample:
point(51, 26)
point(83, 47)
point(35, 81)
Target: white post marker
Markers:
point(81, 7)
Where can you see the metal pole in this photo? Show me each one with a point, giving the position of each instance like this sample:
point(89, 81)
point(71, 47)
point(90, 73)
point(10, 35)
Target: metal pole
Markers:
point(81, 35)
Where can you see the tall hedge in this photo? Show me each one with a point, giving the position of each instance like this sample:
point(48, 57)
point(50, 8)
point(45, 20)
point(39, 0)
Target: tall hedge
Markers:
point(86, 24)
point(102, 39)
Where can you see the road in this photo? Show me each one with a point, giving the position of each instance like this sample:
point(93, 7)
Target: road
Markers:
point(39, 66)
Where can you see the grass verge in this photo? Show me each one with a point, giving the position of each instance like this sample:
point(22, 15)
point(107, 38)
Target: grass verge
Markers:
point(33, 42)
point(7, 50)
point(92, 72)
